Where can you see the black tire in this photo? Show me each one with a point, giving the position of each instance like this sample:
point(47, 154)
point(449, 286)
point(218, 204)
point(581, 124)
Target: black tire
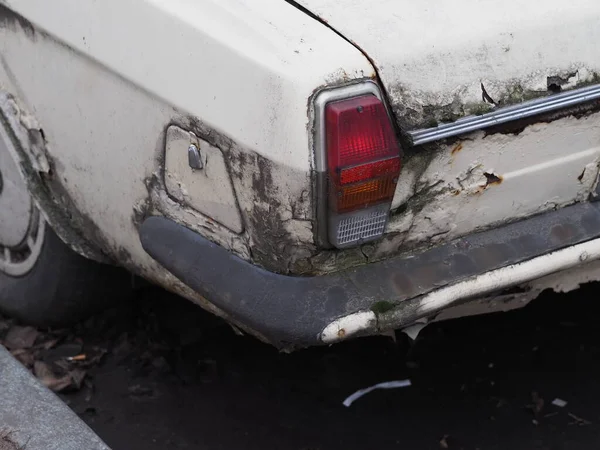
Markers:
point(62, 287)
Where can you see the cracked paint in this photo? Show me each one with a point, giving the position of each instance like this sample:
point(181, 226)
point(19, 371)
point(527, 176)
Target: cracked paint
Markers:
point(484, 184)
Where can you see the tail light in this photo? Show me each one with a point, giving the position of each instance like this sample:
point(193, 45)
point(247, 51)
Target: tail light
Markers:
point(363, 165)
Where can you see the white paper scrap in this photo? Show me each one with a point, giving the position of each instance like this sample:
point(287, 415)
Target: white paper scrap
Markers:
point(559, 402)
point(385, 385)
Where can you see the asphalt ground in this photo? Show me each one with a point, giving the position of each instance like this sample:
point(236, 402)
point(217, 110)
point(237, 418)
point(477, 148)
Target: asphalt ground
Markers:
point(170, 376)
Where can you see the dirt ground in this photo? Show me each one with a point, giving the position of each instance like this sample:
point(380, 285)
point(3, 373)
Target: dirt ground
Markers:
point(174, 377)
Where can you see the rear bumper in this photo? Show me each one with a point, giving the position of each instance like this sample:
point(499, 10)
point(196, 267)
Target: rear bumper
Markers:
point(304, 311)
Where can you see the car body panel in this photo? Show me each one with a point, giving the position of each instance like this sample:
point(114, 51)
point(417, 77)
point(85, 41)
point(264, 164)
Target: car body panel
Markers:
point(433, 58)
point(91, 88)
point(257, 58)
point(106, 112)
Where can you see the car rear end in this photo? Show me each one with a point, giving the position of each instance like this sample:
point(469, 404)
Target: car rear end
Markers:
point(313, 170)
point(461, 179)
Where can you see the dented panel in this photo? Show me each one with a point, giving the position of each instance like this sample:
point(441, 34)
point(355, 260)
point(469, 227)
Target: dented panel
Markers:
point(484, 180)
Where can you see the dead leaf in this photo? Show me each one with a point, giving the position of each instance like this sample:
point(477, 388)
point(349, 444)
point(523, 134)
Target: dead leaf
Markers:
point(138, 391)
point(500, 402)
point(444, 442)
point(49, 379)
point(537, 404)
point(6, 442)
point(77, 376)
point(24, 356)
point(51, 343)
point(123, 347)
point(20, 337)
point(578, 420)
point(90, 389)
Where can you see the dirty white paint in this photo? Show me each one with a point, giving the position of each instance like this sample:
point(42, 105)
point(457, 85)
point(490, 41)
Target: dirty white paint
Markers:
point(245, 69)
point(546, 166)
point(348, 326)
point(512, 275)
point(415, 329)
point(432, 53)
point(564, 281)
point(207, 190)
point(572, 265)
point(15, 201)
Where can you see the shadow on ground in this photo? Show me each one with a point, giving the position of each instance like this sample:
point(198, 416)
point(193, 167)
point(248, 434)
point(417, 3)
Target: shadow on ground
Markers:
point(176, 378)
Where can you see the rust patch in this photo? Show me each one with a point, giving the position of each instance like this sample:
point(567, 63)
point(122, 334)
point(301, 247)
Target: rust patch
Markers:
point(457, 148)
point(492, 178)
point(341, 333)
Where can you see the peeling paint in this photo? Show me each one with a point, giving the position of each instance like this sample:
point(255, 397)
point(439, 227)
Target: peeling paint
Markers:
point(560, 270)
point(491, 178)
point(348, 326)
point(274, 202)
point(46, 188)
point(448, 190)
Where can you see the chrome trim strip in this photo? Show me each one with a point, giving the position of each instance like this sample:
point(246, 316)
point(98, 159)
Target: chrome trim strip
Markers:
point(505, 115)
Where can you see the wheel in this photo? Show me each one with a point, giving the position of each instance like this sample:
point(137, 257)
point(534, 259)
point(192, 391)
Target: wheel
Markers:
point(42, 281)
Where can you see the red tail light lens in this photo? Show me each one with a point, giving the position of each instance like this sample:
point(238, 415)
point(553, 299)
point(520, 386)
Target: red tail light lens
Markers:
point(362, 153)
point(363, 162)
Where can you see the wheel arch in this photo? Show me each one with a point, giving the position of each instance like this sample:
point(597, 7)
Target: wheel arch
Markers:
point(29, 148)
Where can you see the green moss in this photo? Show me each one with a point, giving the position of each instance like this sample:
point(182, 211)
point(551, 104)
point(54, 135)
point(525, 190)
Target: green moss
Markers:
point(382, 307)
point(479, 109)
point(515, 94)
point(450, 117)
point(433, 123)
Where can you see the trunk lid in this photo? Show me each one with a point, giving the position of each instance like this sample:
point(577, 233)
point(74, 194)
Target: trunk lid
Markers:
point(434, 57)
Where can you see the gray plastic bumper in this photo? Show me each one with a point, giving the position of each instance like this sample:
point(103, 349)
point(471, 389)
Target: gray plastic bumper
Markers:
point(294, 311)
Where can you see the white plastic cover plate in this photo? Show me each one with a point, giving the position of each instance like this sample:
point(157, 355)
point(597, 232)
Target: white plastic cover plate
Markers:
point(207, 190)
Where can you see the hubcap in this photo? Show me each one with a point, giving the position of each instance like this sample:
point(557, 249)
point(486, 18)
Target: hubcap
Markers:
point(21, 225)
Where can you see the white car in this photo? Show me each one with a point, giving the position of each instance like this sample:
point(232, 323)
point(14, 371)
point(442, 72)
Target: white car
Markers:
point(310, 170)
